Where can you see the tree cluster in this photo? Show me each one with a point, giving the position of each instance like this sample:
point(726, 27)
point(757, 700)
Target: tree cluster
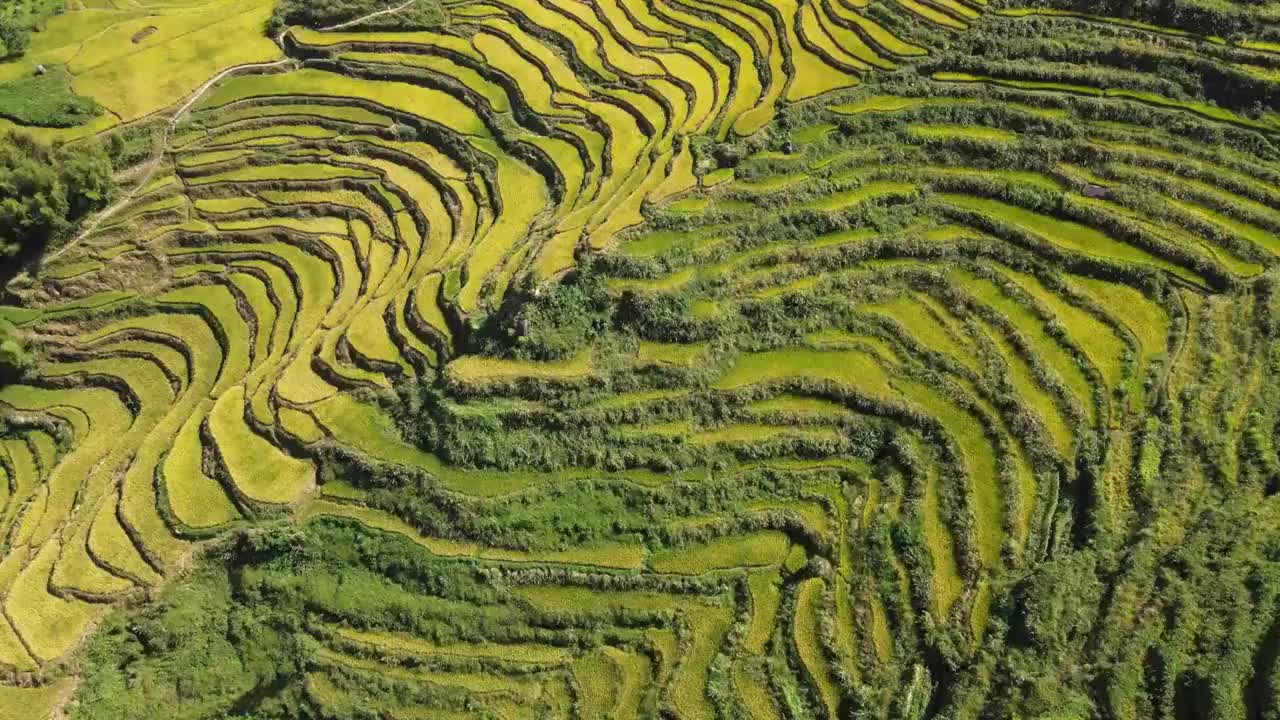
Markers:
point(15, 37)
point(45, 190)
point(15, 359)
point(18, 19)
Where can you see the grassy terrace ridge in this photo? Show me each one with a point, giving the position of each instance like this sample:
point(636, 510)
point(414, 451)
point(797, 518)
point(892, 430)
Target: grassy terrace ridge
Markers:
point(804, 359)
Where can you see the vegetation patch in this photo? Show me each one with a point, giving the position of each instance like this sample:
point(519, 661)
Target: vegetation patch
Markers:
point(418, 15)
point(46, 100)
point(44, 192)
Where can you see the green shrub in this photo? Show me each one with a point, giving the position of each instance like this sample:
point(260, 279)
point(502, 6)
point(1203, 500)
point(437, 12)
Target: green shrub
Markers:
point(15, 359)
point(18, 18)
point(1228, 19)
point(46, 100)
point(15, 37)
point(235, 639)
point(134, 143)
point(554, 324)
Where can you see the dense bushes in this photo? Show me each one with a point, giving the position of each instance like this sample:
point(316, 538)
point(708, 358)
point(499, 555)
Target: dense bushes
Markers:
point(1105, 56)
point(14, 38)
point(1227, 19)
point(44, 191)
point(14, 357)
point(421, 15)
point(134, 143)
point(237, 639)
point(46, 100)
point(557, 324)
point(201, 624)
point(17, 20)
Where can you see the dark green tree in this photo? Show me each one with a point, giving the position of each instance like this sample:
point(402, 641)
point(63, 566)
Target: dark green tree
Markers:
point(15, 37)
point(86, 173)
point(44, 190)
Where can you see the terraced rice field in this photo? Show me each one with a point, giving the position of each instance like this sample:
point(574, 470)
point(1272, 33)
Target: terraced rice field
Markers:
point(885, 335)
